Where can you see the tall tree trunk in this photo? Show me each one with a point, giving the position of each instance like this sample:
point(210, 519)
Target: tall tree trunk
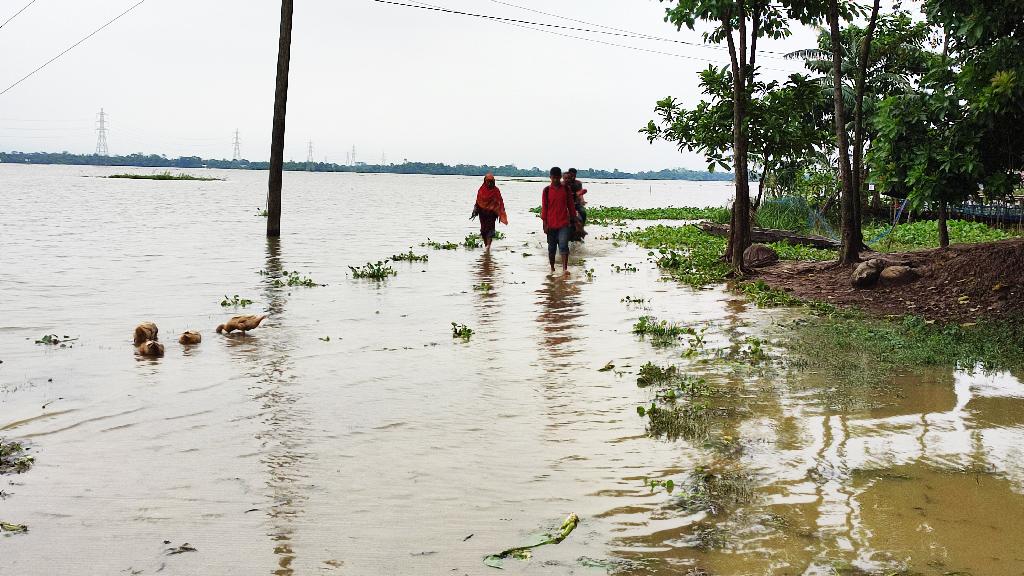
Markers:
point(739, 233)
point(284, 49)
point(858, 125)
point(943, 229)
point(849, 251)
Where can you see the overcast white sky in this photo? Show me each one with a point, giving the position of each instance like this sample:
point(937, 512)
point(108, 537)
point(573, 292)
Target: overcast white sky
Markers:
point(177, 77)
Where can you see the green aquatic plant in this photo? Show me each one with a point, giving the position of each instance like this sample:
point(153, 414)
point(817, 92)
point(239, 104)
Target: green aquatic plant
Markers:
point(618, 213)
point(461, 331)
point(472, 241)
point(262, 212)
point(373, 270)
point(409, 256)
point(483, 287)
point(55, 340)
point(13, 458)
point(235, 301)
point(767, 297)
point(627, 267)
point(714, 493)
point(634, 300)
point(589, 272)
point(925, 234)
point(669, 484)
point(293, 279)
point(662, 332)
point(440, 245)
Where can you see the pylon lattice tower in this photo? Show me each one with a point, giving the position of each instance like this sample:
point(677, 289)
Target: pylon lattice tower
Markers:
point(237, 154)
point(309, 157)
point(101, 134)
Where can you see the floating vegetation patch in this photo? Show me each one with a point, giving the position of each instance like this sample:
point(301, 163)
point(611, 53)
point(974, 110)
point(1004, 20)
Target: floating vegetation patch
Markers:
point(524, 552)
point(55, 340)
point(262, 212)
point(8, 529)
point(627, 267)
point(719, 214)
point(293, 279)
point(461, 331)
point(235, 301)
point(440, 245)
point(589, 273)
point(14, 458)
point(165, 175)
point(472, 241)
point(767, 297)
point(634, 300)
point(409, 256)
point(483, 287)
point(373, 270)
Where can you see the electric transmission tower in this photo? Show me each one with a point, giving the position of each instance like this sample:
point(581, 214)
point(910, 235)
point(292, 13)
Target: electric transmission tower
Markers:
point(309, 157)
point(101, 134)
point(353, 155)
point(237, 155)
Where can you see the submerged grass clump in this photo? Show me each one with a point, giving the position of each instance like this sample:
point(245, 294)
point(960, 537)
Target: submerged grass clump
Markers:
point(409, 256)
point(662, 332)
point(165, 175)
point(373, 270)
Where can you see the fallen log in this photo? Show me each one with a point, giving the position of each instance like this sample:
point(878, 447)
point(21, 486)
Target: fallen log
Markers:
point(763, 235)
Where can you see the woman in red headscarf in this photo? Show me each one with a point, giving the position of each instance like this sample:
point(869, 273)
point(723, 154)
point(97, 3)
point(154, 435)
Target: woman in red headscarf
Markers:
point(490, 207)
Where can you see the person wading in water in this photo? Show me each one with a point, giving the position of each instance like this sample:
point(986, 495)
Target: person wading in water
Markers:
point(558, 214)
point(577, 189)
point(490, 207)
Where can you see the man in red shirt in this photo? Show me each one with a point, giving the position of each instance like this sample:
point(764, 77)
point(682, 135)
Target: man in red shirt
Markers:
point(558, 212)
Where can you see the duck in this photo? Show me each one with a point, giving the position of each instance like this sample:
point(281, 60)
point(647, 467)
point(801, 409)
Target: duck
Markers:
point(241, 323)
point(145, 331)
point(190, 337)
point(150, 348)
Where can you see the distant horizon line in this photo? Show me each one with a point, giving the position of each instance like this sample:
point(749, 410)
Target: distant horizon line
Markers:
point(142, 160)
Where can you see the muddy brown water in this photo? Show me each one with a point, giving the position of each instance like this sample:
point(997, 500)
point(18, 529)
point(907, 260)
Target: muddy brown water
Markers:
point(393, 448)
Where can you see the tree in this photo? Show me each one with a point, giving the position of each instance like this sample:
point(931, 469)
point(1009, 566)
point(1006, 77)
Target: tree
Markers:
point(284, 49)
point(740, 24)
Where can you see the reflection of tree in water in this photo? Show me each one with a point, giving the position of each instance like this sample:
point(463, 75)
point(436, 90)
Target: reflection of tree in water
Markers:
point(283, 433)
point(560, 313)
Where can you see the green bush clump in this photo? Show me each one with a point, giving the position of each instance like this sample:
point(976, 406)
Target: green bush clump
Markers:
point(925, 234)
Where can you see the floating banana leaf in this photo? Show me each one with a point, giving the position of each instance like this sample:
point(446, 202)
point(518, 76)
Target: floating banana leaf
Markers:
point(525, 552)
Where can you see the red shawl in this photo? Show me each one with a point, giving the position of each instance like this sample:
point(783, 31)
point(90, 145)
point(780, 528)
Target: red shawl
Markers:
point(490, 199)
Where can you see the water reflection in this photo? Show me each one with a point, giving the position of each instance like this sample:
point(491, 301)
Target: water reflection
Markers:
point(560, 312)
point(266, 354)
point(488, 279)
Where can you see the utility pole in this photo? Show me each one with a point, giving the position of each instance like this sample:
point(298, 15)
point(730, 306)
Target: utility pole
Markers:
point(309, 157)
point(101, 134)
point(284, 49)
point(237, 154)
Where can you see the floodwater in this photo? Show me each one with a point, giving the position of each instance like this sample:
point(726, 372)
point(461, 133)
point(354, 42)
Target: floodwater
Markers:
point(392, 448)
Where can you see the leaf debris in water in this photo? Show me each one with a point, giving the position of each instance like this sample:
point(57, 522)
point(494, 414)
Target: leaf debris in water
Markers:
point(525, 552)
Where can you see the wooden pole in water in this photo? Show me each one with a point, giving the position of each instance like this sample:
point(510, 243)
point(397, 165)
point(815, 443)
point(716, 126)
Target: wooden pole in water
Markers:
point(284, 50)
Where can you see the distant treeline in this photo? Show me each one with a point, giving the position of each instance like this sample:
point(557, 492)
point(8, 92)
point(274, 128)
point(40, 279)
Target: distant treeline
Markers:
point(157, 161)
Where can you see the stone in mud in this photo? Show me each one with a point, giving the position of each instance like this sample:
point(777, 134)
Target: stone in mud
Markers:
point(759, 256)
point(866, 273)
point(897, 276)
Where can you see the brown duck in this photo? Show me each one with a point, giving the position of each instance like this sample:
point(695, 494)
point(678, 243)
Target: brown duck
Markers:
point(241, 323)
point(190, 337)
point(150, 348)
point(145, 331)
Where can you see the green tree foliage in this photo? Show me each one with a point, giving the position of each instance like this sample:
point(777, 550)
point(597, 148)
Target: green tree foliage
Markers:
point(740, 24)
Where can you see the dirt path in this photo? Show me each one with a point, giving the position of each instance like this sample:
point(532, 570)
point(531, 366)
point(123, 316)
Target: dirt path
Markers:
point(961, 283)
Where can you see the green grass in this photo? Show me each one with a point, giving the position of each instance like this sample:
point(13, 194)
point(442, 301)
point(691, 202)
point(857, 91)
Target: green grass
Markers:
point(440, 245)
point(662, 332)
point(163, 176)
point(855, 342)
point(925, 234)
point(410, 256)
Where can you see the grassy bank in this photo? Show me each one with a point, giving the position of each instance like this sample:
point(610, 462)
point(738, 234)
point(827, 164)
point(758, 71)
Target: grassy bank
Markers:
point(163, 176)
point(925, 234)
point(694, 257)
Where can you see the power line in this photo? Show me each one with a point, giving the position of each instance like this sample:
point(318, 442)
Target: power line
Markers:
point(629, 32)
point(16, 13)
point(69, 48)
point(520, 22)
